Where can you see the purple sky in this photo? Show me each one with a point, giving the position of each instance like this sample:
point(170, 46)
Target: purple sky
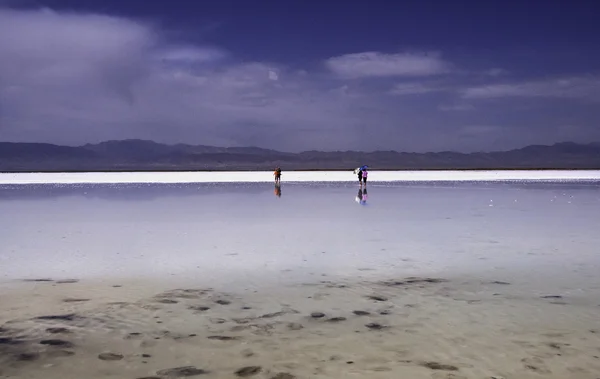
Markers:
point(300, 75)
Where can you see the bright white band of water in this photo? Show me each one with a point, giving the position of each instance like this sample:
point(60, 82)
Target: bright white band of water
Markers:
point(293, 176)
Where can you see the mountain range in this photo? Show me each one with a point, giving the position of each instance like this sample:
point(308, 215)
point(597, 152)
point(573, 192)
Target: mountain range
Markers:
point(141, 155)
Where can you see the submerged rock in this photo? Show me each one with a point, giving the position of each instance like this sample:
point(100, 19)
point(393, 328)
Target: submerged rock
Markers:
point(65, 317)
point(9, 341)
point(222, 338)
point(110, 357)
point(199, 308)
point(377, 298)
point(27, 357)
point(167, 301)
point(74, 300)
point(248, 371)
point(181, 372)
point(54, 342)
point(375, 326)
point(439, 366)
point(271, 315)
point(283, 375)
point(58, 330)
point(361, 313)
point(317, 315)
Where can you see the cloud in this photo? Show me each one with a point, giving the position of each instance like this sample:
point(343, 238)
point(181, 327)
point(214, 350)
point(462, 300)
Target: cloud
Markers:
point(496, 72)
point(73, 78)
point(584, 88)
point(376, 64)
point(456, 107)
point(413, 89)
point(191, 54)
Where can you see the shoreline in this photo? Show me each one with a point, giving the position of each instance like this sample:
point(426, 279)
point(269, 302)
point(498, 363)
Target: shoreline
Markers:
point(295, 176)
point(343, 169)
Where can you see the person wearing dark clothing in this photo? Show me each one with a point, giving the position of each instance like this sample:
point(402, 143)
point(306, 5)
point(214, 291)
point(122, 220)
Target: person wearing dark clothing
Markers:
point(277, 175)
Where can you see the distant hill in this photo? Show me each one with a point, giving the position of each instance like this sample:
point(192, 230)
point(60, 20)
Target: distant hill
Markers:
point(140, 155)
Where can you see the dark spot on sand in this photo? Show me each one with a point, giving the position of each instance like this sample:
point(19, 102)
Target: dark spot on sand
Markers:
point(110, 357)
point(222, 338)
point(54, 342)
point(248, 371)
point(181, 372)
point(413, 280)
point(377, 298)
point(501, 283)
point(58, 330)
point(27, 357)
point(317, 315)
point(60, 353)
point(151, 377)
point(361, 313)
point(38, 280)
point(350, 362)
point(551, 297)
point(558, 303)
point(375, 326)
point(167, 301)
point(192, 335)
point(283, 375)
point(336, 319)
point(223, 302)
point(67, 281)
point(199, 308)
point(9, 341)
point(295, 326)
point(66, 317)
point(439, 366)
point(117, 286)
point(385, 312)
point(271, 315)
point(246, 308)
point(73, 300)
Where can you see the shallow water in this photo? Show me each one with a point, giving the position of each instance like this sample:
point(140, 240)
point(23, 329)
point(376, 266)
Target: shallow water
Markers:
point(499, 249)
point(223, 233)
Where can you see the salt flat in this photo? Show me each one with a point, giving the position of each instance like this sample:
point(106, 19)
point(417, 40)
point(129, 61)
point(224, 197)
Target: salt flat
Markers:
point(424, 279)
point(293, 176)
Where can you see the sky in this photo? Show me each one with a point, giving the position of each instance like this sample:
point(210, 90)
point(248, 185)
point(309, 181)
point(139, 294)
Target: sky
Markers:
point(301, 75)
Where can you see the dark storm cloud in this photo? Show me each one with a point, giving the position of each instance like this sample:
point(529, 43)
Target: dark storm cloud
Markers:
point(74, 78)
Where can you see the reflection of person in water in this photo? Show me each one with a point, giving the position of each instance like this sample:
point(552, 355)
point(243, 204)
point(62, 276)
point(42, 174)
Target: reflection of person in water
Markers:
point(278, 190)
point(361, 198)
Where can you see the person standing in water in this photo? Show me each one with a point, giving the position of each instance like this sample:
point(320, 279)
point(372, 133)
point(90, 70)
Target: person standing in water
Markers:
point(277, 175)
point(360, 176)
point(365, 174)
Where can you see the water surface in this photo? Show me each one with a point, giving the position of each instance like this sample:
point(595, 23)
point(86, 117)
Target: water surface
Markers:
point(544, 233)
